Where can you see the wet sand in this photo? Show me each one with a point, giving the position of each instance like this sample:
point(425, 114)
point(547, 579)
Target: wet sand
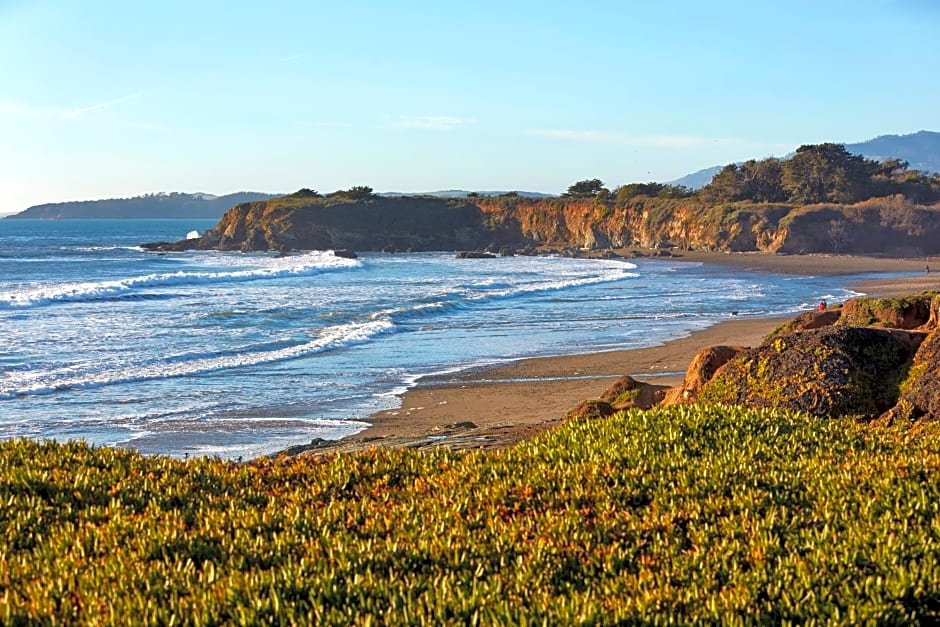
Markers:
point(497, 407)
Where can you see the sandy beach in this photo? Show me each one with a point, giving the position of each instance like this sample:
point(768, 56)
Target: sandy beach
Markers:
point(497, 407)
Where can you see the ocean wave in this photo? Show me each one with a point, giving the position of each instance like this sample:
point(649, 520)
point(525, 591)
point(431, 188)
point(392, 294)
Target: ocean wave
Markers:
point(465, 298)
point(260, 268)
point(615, 273)
point(100, 248)
point(330, 338)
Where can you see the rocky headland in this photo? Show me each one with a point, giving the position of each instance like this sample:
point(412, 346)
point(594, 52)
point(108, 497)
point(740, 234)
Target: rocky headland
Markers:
point(303, 221)
point(892, 226)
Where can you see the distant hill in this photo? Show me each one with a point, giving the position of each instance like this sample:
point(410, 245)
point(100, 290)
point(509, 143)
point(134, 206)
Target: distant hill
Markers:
point(151, 206)
point(698, 179)
point(921, 150)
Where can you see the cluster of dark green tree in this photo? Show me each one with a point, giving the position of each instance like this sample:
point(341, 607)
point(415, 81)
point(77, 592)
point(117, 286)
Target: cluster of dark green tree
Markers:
point(594, 188)
point(816, 173)
point(820, 173)
point(357, 192)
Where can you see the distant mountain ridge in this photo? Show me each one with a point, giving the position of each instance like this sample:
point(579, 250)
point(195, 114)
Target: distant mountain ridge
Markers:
point(699, 178)
point(175, 205)
point(921, 150)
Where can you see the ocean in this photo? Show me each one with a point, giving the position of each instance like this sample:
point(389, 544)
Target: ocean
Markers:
point(239, 355)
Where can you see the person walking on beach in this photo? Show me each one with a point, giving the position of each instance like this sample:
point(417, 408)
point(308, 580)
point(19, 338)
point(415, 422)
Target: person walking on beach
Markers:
point(822, 306)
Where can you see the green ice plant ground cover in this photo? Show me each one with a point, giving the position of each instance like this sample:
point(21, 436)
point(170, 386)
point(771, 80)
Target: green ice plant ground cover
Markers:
point(680, 514)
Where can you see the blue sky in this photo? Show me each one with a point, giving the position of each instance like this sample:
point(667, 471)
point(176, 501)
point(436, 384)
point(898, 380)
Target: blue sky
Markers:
point(100, 98)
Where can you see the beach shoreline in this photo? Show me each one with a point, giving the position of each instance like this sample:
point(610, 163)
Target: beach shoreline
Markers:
point(498, 406)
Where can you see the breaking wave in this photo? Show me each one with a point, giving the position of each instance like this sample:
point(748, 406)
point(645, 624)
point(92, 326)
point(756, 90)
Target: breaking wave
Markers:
point(270, 268)
point(33, 383)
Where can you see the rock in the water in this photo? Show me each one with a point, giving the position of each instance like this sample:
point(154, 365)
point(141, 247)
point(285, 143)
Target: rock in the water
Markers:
point(345, 253)
point(474, 255)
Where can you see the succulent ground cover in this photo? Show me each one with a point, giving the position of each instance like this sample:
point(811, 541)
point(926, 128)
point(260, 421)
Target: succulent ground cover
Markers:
point(677, 514)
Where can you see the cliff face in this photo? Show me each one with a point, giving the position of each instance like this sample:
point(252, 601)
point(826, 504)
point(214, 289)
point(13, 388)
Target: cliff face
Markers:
point(400, 223)
point(643, 222)
point(891, 226)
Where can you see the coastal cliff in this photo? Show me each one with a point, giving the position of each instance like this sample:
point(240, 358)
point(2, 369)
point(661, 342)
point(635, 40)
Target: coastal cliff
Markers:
point(823, 199)
point(893, 225)
point(306, 222)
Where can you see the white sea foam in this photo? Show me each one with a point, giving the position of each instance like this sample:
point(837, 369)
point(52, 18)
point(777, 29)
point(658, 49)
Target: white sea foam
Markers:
point(615, 273)
point(192, 235)
point(457, 300)
point(259, 268)
point(71, 378)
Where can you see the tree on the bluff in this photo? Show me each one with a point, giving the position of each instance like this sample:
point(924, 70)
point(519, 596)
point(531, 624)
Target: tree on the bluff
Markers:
point(827, 173)
point(624, 193)
point(816, 174)
point(358, 192)
point(758, 181)
point(584, 189)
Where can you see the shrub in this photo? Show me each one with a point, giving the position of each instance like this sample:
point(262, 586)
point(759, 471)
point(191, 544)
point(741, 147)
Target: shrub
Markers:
point(684, 514)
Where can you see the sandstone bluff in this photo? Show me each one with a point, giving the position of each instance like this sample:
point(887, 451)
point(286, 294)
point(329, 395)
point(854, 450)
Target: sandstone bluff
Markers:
point(893, 226)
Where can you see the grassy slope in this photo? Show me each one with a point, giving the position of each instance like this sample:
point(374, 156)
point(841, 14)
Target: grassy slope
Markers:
point(700, 513)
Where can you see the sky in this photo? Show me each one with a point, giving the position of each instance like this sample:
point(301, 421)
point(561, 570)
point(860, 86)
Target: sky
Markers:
point(102, 98)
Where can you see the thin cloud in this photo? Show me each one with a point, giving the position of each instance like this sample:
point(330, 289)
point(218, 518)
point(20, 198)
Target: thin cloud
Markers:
point(292, 57)
point(570, 135)
point(432, 122)
point(77, 113)
point(646, 141)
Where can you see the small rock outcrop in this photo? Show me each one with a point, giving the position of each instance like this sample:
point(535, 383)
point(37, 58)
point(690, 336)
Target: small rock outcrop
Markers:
point(872, 358)
point(627, 392)
point(703, 367)
point(809, 320)
point(828, 372)
point(911, 312)
point(920, 390)
point(590, 410)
